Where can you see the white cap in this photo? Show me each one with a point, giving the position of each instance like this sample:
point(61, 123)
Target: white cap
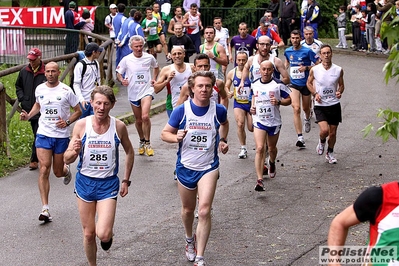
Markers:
point(112, 6)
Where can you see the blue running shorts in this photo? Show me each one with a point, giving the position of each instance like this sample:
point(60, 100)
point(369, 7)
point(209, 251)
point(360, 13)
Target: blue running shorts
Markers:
point(91, 189)
point(57, 145)
point(189, 178)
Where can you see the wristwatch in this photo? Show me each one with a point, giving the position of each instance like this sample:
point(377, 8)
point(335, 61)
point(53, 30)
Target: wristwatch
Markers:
point(128, 182)
point(67, 122)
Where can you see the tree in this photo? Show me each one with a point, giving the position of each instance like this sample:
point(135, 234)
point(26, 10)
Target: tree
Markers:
point(390, 123)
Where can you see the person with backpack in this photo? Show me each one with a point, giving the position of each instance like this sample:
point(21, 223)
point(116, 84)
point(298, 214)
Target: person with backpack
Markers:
point(108, 21)
point(313, 16)
point(87, 77)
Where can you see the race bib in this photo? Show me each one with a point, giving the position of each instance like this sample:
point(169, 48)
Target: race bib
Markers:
point(265, 112)
point(52, 112)
point(242, 94)
point(200, 140)
point(100, 159)
point(140, 78)
point(295, 73)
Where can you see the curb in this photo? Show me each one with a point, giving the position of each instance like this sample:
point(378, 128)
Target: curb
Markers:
point(155, 109)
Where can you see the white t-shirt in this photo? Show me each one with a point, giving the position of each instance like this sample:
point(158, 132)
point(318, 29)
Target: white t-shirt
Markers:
point(91, 78)
point(223, 35)
point(108, 21)
point(54, 103)
point(138, 72)
point(178, 81)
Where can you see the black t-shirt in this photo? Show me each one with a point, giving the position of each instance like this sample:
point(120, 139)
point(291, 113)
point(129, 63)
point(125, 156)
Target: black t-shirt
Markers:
point(368, 205)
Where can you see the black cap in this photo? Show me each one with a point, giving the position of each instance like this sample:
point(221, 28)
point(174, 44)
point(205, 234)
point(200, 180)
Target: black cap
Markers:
point(93, 47)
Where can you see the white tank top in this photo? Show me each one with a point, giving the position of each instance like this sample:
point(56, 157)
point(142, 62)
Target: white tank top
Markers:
point(99, 157)
point(178, 81)
point(193, 29)
point(199, 145)
point(255, 68)
point(326, 83)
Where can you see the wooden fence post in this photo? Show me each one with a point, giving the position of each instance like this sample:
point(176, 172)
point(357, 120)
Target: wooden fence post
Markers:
point(3, 120)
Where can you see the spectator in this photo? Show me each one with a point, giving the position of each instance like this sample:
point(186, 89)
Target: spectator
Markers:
point(187, 4)
point(117, 25)
point(72, 22)
point(65, 4)
point(313, 16)
point(287, 19)
point(370, 27)
point(89, 23)
point(355, 19)
point(273, 8)
point(363, 41)
point(28, 79)
point(165, 8)
point(108, 21)
point(265, 28)
point(87, 77)
point(341, 23)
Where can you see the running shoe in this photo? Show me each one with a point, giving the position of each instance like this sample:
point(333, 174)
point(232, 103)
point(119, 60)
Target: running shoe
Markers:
point(307, 126)
point(45, 216)
point(259, 185)
point(199, 262)
point(300, 143)
point(106, 245)
point(191, 251)
point(272, 169)
point(243, 153)
point(141, 148)
point(68, 177)
point(320, 148)
point(148, 150)
point(331, 158)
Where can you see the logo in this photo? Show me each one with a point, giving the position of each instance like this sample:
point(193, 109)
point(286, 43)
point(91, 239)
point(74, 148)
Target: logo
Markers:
point(359, 255)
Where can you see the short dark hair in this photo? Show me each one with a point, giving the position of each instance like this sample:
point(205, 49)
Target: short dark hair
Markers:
point(201, 57)
point(211, 27)
point(137, 16)
point(193, 5)
point(326, 46)
point(121, 8)
point(295, 32)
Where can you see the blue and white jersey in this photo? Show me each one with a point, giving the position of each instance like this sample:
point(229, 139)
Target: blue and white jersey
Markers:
point(266, 113)
point(314, 46)
point(99, 157)
point(199, 149)
point(297, 58)
point(242, 95)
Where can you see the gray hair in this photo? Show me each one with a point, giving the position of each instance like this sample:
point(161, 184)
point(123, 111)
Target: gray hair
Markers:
point(137, 38)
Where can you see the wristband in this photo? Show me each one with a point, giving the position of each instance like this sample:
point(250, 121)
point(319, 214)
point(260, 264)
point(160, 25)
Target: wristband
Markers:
point(128, 182)
point(223, 140)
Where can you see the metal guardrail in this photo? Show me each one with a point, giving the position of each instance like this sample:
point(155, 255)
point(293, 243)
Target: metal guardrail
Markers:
point(231, 17)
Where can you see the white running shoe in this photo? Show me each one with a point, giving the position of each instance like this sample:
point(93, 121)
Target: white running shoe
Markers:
point(199, 262)
point(243, 154)
point(331, 158)
point(320, 148)
point(191, 251)
point(45, 216)
point(68, 177)
point(307, 126)
point(300, 143)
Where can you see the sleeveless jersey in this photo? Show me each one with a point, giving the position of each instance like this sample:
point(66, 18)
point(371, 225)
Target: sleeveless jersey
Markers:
point(99, 157)
point(215, 67)
point(254, 71)
point(158, 16)
point(326, 84)
point(174, 86)
point(241, 95)
point(266, 113)
point(385, 231)
point(193, 29)
point(198, 150)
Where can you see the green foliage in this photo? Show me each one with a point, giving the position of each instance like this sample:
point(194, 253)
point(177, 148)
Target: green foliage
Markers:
point(390, 123)
point(19, 133)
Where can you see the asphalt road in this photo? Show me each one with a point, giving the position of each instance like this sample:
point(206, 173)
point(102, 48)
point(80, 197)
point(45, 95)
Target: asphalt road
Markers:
point(283, 226)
